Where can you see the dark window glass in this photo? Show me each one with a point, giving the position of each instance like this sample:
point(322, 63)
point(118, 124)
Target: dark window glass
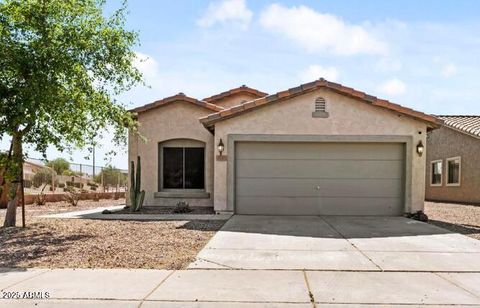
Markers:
point(173, 167)
point(437, 173)
point(183, 168)
point(453, 171)
point(194, 168)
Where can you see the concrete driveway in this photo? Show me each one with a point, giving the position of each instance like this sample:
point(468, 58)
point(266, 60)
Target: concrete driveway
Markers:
point(339, 244)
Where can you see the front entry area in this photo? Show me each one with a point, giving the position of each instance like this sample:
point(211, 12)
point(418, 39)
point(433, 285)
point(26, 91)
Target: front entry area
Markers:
point(319, 178)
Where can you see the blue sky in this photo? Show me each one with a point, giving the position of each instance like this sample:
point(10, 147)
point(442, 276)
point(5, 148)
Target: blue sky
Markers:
point(421, 54)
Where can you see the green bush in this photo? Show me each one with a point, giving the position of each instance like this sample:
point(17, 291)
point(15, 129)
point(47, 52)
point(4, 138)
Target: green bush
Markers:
point(60, 165)
point(61, 185)
point(43, 176)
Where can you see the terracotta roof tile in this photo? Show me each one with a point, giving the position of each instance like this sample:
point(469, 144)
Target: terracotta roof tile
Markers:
point(241, 89)
point(468, 124)
point(180, 97)
point(432, 121)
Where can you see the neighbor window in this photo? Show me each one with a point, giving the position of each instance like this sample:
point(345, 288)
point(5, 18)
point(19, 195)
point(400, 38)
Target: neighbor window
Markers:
point(453, 171)
point(183, 167)
point(436, 178)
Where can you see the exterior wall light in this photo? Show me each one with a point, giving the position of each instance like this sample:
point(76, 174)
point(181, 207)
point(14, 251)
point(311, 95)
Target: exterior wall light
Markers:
point(420, 148)
point(220, 147)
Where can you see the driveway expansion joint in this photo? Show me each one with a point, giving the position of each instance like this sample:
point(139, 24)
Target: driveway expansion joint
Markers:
point(353, 245)
point(156, 287)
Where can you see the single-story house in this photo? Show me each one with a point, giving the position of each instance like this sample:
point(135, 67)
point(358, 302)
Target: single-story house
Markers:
point(453, 160)
point(317, 149)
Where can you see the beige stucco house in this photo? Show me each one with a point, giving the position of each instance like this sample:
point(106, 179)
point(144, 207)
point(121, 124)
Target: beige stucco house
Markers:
point(453, 160)
point(317, 149)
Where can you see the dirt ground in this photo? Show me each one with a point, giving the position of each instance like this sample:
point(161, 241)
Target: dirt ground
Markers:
point(464, 219)
point(100, 244)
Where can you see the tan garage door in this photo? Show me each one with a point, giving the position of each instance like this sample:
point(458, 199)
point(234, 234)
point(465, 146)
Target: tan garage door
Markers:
point(277, 178)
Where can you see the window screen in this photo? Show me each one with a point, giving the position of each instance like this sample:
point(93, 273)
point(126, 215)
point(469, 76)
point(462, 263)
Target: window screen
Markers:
point(183, 168)
point(453, 171)
point(437, 172)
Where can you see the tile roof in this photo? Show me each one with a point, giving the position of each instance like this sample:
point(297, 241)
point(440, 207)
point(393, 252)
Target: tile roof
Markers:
point(241, 89)
point(468, 124)
point(180, 97)
point(211, 119)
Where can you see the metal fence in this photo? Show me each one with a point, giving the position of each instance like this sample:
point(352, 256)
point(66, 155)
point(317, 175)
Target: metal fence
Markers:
point(39, 176)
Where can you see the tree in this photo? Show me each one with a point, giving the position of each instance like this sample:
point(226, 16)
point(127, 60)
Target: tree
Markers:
point(62, 63)
point(111, 177)
point(60, 165)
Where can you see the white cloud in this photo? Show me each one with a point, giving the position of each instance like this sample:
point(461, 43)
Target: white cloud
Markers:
point(314, 72)
point(392, 87)
point(449, 70)
point(388, 65)
point(234, 11)
point(146, 64)
point(319, 32)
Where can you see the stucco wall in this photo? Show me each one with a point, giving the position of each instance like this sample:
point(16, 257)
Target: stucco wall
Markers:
point(445, 143)
point(174, 121)
point(347, 117)
point(233, 100)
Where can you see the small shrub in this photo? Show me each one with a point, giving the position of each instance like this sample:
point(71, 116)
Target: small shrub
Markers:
point(78, 185)
point(72, 196)
point(41, 199)
point(69, 183)
point(43, 176)
point(61, 185)
point(182, 207)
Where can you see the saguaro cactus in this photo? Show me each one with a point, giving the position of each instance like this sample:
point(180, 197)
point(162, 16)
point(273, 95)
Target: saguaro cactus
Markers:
point(136, 196)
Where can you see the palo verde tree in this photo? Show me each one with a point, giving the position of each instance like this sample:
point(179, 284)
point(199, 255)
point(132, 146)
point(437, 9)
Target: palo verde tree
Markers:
point(60, 165)
point(62, 63)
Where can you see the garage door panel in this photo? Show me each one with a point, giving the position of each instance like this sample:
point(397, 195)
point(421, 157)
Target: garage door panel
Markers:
point(319, 169)
point(362, 151)
point(277, 206)
point(361, 206)
point(326, 187)
point(353, 178)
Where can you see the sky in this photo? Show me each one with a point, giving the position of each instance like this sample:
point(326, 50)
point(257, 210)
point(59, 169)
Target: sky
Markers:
point(421, 54)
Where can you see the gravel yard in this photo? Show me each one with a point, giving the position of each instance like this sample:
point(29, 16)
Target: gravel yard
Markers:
point(100, 244)
point(464, 219)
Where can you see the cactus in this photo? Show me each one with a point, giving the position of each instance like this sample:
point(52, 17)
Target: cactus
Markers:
point(136, 196)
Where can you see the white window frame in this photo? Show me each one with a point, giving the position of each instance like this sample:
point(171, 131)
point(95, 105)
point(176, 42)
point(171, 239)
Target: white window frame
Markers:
point(459, 170)
point(431, 172)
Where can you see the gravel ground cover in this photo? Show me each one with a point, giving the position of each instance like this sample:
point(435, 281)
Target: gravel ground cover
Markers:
point(464, 219)
point(78, 243)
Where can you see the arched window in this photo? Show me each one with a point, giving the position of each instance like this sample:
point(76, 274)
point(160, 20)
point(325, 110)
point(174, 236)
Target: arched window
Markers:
point(181, 164)
point(320, 108)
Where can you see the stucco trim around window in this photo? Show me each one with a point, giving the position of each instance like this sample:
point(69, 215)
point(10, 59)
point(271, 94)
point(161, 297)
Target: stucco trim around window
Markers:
point(432, 163)
point(447, 183)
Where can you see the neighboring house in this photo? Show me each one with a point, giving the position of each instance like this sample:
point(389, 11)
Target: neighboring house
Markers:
point(316, 149)
point(30, 168)
point(453, 160)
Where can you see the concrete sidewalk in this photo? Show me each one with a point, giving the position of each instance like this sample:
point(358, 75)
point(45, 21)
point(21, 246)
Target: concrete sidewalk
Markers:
point(234, 288)
point(97, 214)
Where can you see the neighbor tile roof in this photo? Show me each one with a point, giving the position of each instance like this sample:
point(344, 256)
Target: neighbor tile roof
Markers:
point(241, 89)
point(211, 119)
point(469, 124)
point(180, 97)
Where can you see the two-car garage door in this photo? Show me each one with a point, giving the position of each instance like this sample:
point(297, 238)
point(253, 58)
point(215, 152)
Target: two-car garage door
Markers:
point(283, 178)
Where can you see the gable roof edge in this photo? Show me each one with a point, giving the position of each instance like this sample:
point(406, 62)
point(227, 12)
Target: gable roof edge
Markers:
point(180, 97)
point(210, 120)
